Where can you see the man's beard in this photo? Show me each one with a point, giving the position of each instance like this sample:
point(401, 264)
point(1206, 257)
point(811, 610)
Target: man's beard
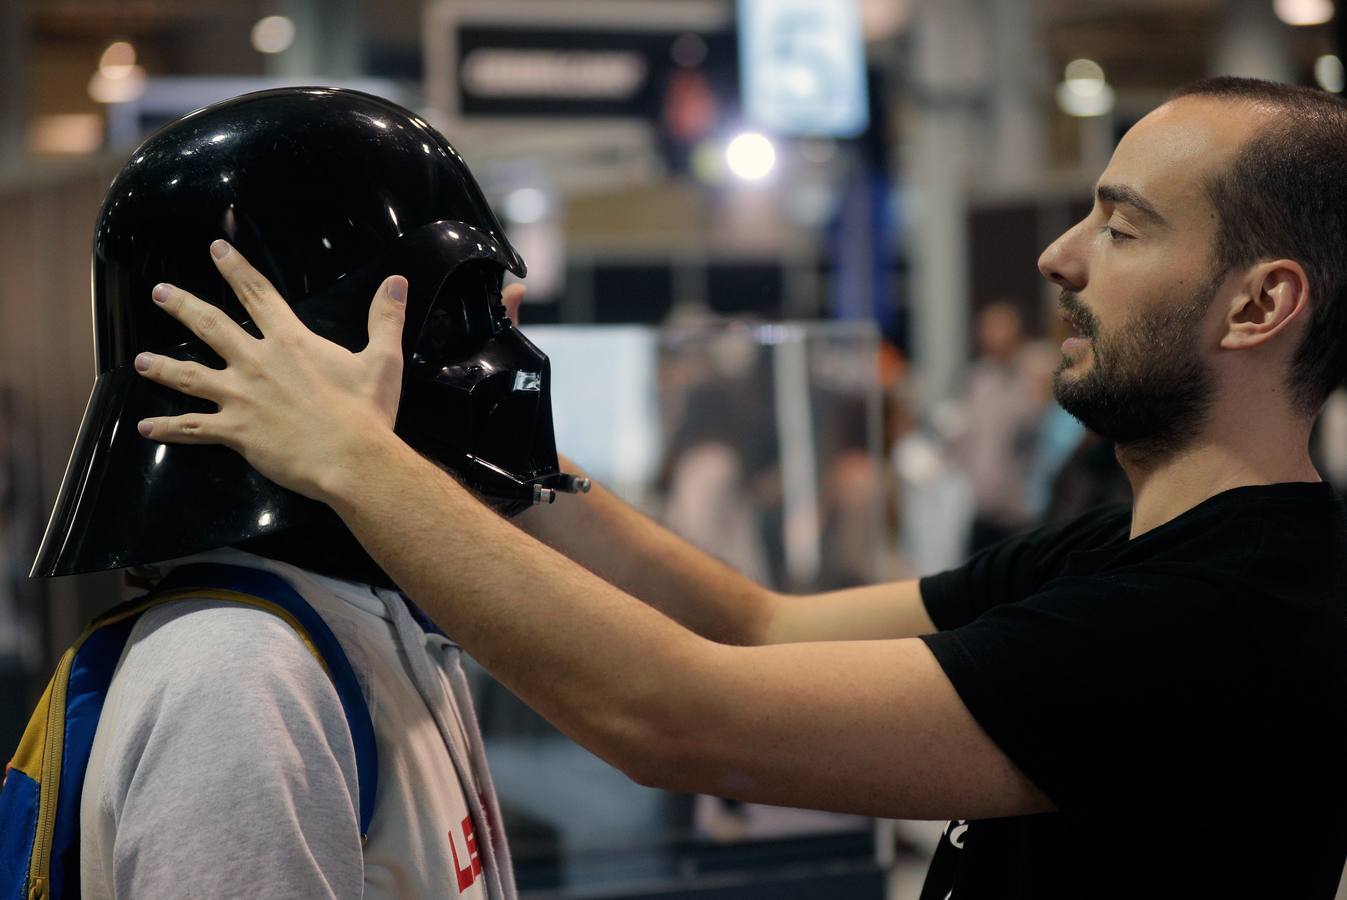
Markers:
point(1147, 389)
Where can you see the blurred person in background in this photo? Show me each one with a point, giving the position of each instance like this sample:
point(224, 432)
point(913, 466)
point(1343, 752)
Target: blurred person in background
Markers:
point(932, 494)
point(852, 489)
point(711, 467)
point(1146, 701)
point(1003, 407)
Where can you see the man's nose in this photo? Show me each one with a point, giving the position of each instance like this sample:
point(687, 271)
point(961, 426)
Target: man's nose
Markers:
point(1064, 262)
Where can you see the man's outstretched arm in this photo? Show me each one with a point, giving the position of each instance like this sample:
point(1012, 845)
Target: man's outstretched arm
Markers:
point(645, 559)
point(870, 727)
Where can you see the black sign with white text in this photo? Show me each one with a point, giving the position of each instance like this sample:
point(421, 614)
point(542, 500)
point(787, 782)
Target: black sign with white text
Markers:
point(580, 73)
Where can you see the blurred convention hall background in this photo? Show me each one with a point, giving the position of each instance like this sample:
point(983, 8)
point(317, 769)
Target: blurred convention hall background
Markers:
point(781, 253)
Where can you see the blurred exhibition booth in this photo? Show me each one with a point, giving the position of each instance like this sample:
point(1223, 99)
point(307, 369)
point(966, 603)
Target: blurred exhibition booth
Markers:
point(782, 256)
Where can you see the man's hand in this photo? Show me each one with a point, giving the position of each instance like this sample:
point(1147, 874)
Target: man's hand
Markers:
point(301, 409)
point(511, 297)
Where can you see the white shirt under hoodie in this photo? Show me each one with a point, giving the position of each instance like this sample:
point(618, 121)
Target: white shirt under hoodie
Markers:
point(223, 766)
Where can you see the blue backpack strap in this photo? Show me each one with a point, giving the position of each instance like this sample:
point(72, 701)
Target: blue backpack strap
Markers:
point(240, 584)
point(39, 801)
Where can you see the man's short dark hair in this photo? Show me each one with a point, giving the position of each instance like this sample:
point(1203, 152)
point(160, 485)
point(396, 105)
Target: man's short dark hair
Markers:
point(1285, 196)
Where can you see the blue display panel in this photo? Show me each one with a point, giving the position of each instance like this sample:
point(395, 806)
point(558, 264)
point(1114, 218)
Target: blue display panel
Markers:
point(802, 65)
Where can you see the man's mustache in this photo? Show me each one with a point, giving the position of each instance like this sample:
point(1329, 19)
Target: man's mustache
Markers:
point(1080, 316)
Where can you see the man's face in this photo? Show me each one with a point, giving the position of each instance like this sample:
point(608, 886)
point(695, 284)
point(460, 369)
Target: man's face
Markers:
point(1138, 279)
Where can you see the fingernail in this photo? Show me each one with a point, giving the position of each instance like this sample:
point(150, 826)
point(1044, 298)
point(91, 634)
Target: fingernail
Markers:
point(145, 427)
point(143, 362)
point(219, 249)
point(160, 292)
point(397, 289)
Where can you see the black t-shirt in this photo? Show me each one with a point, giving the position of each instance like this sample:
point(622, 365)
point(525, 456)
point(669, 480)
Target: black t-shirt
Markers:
point(1181, 698)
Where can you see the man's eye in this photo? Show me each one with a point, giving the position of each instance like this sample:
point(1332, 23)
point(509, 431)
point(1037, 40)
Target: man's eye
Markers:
point(1116, 235)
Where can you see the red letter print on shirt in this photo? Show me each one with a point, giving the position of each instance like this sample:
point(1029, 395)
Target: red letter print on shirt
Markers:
point(466, 874)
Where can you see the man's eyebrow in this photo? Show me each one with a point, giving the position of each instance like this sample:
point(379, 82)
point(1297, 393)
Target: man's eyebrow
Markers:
point(1121, 193)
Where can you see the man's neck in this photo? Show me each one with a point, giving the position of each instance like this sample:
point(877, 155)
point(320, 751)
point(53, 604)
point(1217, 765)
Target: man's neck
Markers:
point(1239, 455)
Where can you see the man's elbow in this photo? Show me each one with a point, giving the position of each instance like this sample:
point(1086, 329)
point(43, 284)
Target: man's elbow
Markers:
point(664, 739)
point(663, 756)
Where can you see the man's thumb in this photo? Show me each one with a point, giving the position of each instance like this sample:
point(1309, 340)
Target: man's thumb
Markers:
point(386, 316)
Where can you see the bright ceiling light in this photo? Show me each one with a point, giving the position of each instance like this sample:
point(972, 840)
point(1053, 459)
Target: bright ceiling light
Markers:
point(751, 156)
point(1304, 12)
point(118, 78)
point(1098, 101)
point(117, 59)
point(1084, 91)
point(273, 34)
point(1083, 70)
point(1328, 72)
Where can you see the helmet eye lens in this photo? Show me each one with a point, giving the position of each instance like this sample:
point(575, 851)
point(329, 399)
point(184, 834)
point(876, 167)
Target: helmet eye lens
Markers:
point(461, 319)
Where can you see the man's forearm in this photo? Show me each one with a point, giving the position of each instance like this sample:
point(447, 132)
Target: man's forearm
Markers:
point(583, 653)
point(631, 551)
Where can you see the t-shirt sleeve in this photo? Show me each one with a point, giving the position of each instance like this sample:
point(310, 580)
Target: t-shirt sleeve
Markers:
point(1109, 693)
point(232, 771)
point(1014, 568)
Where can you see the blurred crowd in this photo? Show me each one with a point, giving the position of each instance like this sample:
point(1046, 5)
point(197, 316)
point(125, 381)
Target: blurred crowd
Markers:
point(903, 487)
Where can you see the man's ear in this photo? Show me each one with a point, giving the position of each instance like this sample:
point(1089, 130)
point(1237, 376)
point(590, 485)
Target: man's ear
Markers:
point(1275, 294)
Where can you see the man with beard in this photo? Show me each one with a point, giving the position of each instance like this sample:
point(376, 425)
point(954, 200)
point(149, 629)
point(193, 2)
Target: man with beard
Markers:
point(1144, 702)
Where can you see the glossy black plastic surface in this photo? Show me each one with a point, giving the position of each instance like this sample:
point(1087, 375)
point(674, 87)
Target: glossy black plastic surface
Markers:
point(326, 192)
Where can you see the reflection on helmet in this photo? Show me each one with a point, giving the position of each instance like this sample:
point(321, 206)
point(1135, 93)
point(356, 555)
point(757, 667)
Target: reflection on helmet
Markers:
point(326, 192)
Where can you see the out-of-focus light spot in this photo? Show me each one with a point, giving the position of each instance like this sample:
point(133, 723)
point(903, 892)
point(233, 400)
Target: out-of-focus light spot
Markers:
point(265, 519)
point(66, 133)
point(1085, 70)
point(751, 156)
point(688, 50)
point(527, 205)
point(1304, 12)
point(118, 78)
point(117, 90)
point(1328, 72)
point(1084, 91)
point(219, 138)
point(117, 59)
point(273, 34)
point(160, 453)
point(327, 243)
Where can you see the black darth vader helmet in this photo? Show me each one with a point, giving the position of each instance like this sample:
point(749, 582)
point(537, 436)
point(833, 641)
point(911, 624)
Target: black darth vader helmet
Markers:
point(326, 192)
